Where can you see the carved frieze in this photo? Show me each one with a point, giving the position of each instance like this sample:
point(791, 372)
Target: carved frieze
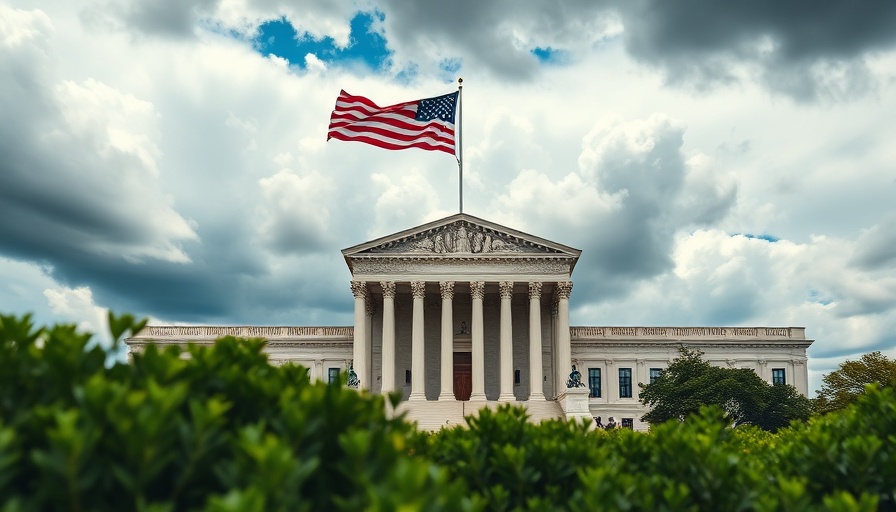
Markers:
point(403, 265)
point(462, 237)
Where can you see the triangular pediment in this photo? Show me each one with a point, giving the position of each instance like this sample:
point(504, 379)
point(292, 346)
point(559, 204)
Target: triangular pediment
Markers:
point(461, 235)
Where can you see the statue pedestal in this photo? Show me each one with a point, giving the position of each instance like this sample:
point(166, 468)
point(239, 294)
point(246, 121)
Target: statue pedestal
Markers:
point(574, 402)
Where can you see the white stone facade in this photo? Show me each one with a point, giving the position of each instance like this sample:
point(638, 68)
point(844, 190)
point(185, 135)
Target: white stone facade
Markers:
point(462, 313)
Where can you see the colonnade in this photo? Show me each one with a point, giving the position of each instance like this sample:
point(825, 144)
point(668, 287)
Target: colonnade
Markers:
point(362, 346)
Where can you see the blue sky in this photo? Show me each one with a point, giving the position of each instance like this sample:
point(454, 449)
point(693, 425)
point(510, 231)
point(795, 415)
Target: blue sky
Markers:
point(366, 45)
point(718, 164)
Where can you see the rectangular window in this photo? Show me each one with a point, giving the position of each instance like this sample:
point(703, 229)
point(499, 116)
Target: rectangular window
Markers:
point(594, 382)
point(655, 374)
point(516, 377)
point(779, 376)
point(332, 375)
point(407, 376)
point(628, 423)
point(625, 383)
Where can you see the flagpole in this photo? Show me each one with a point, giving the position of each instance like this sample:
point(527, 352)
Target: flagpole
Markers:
point(460, 145)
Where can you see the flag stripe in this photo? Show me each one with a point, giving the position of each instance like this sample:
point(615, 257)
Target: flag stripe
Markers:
point(395, 127)
point(401, 127)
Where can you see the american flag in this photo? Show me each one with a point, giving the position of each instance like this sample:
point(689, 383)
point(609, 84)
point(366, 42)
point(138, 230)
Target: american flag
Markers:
point(426, 124)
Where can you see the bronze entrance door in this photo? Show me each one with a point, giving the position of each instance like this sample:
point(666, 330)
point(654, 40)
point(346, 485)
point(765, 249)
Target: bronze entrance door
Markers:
point(463, 375)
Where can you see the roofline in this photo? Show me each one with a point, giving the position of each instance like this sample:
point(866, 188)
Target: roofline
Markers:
point(573, 253)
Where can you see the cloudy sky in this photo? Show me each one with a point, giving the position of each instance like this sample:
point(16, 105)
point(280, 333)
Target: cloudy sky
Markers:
point(719, 163)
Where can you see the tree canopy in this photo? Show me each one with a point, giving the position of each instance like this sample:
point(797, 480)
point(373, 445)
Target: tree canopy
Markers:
point(690, 383)
point(844, 385)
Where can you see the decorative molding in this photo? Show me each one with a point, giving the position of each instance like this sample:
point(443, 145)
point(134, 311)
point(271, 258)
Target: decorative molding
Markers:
point(505, 288)
point(213, 332)
point(629, 344)
point(446, 288)
point(418, 289)
point(684, 333)
point(388, 289)
point(359, 289)
point(535, 290)
point(412, 265)
point(477, 289)
point(416, 265)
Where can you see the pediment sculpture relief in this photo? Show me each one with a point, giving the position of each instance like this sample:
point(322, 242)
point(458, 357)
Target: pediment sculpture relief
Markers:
point(460, 238)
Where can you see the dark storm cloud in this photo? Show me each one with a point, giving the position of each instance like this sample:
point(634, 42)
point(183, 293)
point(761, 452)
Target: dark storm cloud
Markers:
point(804, 49)
point(167, 18)
point(642, 163)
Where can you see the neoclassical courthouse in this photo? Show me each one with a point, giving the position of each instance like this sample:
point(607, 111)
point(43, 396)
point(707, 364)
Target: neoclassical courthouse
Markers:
point(462, 313)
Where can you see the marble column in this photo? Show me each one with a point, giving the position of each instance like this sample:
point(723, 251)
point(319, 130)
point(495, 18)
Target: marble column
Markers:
point(559, 377)
point(477, 293)
point(536, 388)
point(506, 372)
point(564, 351)
point(368, 335)
point(360, 348)
point(447, 389)
point(388, 336)
point(418, 383)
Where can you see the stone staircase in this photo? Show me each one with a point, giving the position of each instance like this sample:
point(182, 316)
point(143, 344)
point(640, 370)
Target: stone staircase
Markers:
point(434, 415)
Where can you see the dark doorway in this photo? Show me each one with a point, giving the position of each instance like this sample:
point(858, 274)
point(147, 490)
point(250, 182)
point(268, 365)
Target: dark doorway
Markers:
point(463, 375)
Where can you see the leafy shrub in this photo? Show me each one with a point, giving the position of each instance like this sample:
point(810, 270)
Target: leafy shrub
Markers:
point(219, 430)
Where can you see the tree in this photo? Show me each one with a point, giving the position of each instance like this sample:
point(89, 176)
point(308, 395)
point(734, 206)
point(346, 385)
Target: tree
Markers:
point(690, 383)
point(844, 385)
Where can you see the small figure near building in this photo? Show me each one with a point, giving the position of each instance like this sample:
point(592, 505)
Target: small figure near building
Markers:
point(575, 379)
point(598, 423)
point(611, 424)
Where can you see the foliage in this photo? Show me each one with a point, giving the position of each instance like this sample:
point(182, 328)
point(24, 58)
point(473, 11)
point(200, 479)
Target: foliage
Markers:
point(845, 384)
point(690, 383)
point(220, 429)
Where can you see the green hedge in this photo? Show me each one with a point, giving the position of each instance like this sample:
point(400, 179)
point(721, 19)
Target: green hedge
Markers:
point(222, 429)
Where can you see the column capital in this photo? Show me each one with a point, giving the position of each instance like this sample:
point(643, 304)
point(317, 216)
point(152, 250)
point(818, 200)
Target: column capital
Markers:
point(388, 289)
point(418, 289)
point(535, 290)
point(564, 288)
point(477, 289)
point(447, 289)
point(506, 289)
point(359, 289)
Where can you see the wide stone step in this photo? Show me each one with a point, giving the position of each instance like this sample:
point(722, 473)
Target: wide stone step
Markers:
point(434, 415)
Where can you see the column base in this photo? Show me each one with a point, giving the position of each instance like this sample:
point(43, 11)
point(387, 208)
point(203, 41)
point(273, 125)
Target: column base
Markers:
point(536, 396)
point(445, 397)
point(506, 397)
point(478, 397)
point(417, 397)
